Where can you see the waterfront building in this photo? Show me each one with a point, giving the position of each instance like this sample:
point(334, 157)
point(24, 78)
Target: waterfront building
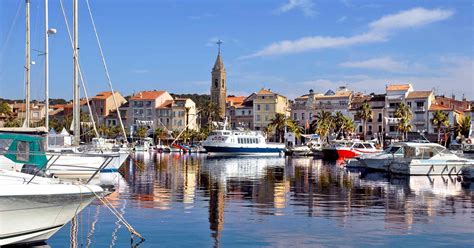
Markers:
point(177, 114)
point(395, 95)
point(37, 111)
point(335, 101)
point(266, 104)
point(142, 108)
point(103, 104)
point(240, 111)
point(375, 125)
point(304, 108)
point(218, 85)
point(454, 116)
point(420, 102)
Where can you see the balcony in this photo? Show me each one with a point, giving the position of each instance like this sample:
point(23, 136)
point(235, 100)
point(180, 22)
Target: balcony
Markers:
point(419, 121)
point(419, 109)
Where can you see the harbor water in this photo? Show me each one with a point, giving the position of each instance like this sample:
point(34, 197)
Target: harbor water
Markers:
point(177, 200)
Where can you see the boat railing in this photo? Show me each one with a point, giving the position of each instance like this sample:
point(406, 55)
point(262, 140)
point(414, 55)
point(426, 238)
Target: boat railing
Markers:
point(53, 157)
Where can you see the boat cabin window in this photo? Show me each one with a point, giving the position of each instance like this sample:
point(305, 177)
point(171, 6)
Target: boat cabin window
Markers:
point(22, 151)
point(359, 146)
point(393, 149)
point(419, 152)
point(368, 145)
point(5, 145)
point(226, 133)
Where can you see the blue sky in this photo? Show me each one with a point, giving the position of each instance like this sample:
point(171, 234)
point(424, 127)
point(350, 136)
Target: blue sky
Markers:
point(290, 46)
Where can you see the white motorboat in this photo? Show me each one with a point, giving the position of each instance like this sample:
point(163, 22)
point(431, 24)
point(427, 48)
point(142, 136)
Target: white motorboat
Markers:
point(381, 161)
point(428, 159)
point(341, 149)
point(144, 145)
point(32, 210)
point(22, 146)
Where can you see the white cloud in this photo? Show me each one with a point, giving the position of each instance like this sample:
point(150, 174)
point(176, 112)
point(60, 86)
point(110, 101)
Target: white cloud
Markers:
point(382, 63)
point(315, 42)
point(409, 19)
point(306, 6)
point(379, 31)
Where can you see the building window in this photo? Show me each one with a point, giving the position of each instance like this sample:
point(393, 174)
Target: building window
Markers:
point(216, 82)
point(409, 104)
point(302, 116)
point(295, 116)
point(420, 104)
point(392, 128)
point(310, 116)
point(267, 107)
point(258, 106)
point(223, 85)
point(380, 128)
point(250, 112)
point(258, 117)
point(360, 129)
point(380, 117)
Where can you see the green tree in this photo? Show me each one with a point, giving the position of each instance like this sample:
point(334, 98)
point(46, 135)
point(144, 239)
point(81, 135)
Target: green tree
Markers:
point(159, 134)
point(464, 126)
point(278, 124)
point(210, 112)
point(141, 132)
point(365, 114)
point(403, 112)
point(323, 124)
point(440, 119)
point(13, 123)
point(5, 109)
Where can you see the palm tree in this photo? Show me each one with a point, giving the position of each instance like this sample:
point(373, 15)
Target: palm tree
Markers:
point(211, 112)
point(278, 123)
point(159, 134)
point(347, 125)
point(365, 114)
point(141, 132)
point(464, 126)
point(323, 123)
point(403, 112)
point(440, 119)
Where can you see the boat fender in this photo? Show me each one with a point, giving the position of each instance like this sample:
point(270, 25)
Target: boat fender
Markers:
point(468, 141)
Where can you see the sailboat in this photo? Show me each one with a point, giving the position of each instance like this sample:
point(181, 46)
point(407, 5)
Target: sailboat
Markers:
point(34, 206)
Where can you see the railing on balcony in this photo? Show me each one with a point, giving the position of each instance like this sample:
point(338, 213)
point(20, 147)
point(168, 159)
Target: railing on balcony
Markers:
point(419, 108)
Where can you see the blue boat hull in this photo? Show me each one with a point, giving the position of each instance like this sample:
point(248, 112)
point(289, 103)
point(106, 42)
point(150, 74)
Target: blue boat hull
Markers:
point(242, 150)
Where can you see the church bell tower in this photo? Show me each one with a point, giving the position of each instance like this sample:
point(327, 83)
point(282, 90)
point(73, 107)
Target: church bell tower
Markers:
point(218, 84)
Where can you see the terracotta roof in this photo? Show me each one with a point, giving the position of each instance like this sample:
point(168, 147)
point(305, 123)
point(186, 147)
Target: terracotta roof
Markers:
point(81, 103)
point(419, 94)
point(435, 107)
point(264, 91)
point(235, 99)
point(166, 104)
point(103, 95)
point(147, 95)
point(396, 87)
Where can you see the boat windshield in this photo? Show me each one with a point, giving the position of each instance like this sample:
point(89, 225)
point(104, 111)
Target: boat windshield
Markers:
point(392, 149)
point(5, 145)
point(422, 152)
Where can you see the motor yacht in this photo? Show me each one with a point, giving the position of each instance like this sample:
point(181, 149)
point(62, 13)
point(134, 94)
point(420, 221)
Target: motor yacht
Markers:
point(428, 159)
point(378, 161)
point(349, 149)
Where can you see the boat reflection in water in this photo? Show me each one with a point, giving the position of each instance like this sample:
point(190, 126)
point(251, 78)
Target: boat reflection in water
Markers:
point(196, 200)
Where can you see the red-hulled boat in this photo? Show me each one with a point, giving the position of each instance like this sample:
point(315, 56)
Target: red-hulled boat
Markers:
point(349, 149)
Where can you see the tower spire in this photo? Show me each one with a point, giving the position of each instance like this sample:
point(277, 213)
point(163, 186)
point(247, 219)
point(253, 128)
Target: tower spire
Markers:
point(219, 42)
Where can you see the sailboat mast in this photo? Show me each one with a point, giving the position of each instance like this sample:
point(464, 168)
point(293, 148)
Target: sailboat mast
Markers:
point(27, 65)
point(76, 100)
point(46, 67)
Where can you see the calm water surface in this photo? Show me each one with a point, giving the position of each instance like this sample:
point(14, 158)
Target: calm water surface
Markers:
point(198, 201)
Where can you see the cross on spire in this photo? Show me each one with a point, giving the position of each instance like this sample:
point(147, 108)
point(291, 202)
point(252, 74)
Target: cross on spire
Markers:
point(219, 42)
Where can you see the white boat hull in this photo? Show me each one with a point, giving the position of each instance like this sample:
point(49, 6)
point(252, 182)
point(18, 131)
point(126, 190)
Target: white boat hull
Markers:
point(33, 212)
point(427, 167)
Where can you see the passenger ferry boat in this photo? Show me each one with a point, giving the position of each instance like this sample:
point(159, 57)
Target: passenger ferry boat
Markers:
point(233, 142)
